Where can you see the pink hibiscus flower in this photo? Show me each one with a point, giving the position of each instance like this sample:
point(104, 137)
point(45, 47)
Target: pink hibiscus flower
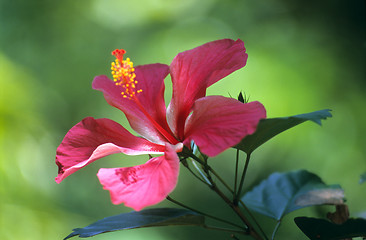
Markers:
point(214, 123)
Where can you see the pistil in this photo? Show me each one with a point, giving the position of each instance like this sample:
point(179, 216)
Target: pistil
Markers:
point(124, 75)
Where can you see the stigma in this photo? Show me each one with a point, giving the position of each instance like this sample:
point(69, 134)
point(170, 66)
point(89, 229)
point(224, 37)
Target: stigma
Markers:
point(124, 75)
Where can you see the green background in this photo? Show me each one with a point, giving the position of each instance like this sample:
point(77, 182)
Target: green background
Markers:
point(303, 56)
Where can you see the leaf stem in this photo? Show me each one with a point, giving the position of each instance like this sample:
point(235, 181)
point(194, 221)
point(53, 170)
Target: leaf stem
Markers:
point(201, 173)
point(188, 153)
point(250, 230)
point(202, 213)
point(237, 195)
point(204, 180)
point(236, 173)
point(275, 229)
point(253, 218)
point(220, 179)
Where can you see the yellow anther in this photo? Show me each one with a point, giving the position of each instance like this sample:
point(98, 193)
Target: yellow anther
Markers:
point(123, 74)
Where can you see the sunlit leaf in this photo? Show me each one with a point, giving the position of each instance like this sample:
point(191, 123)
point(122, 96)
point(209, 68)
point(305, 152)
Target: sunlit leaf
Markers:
point(321, 229)
point(321, 196)
point(363, 178)
point(270, 127)
point(282, 193)
point(144, 218)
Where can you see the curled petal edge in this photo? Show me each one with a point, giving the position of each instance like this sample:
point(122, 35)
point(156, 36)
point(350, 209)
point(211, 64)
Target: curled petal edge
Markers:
point(100, 152)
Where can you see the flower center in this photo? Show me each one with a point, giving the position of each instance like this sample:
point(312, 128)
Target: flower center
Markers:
point(123, 74)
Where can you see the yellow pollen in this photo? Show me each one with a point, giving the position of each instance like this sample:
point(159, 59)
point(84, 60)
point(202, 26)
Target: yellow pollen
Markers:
point(124, 75)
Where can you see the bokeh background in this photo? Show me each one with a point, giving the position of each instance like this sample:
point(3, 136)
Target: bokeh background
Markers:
point(303, 56)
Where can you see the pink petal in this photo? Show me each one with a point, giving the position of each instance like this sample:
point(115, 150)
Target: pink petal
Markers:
point(144, 185)
point(92, 139)
point(194, 70)
point(218, 123)
point(151, 81)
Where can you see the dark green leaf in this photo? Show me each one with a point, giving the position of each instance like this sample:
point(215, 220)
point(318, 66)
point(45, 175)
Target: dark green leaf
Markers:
point(363, 178)
point(321, 229)
point(270, 127)
point(282, 193)
point(144, 218)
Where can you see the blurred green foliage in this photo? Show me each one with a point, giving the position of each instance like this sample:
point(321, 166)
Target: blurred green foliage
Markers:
point(303, 56)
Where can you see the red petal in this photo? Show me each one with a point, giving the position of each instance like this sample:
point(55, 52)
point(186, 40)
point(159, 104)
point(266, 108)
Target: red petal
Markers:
point(151, 81)
point(194, 70)
point(144, 185)
point(92, 139)
point(218, 123)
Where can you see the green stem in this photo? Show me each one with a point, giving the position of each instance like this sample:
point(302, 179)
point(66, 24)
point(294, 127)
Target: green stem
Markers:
point(237, 195)
point(201, 173)
point(202, 213)
point(188, 153)
point(275, 229)
point(250, 230)
point(236, 173)
point(220, 179)
point(253, 218)
point(195, 175)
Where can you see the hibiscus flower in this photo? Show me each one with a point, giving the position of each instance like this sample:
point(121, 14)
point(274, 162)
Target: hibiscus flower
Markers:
point(214, 123)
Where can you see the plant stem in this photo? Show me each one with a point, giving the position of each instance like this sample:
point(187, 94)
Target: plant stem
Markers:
point(201, 173)
point(195, 175)
point(236, 173)
point(275, 229)
point(237, 195)
point(202, 213)
point(253, 218)
point(188, 153)
point(220, 179)
point(250, 230)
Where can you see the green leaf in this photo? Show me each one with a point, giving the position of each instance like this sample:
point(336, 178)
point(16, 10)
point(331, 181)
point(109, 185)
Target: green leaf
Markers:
point(282, 193)
point(363, 178)
point(327, 195)
point(270, 127)
point(144, 218)
point(321, 229)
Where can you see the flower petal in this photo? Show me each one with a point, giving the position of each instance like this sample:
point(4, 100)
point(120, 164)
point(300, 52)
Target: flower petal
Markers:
point(92, 139)
point(218, 123)
point(194, 70)
point(144, 185)
point(151, 81)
